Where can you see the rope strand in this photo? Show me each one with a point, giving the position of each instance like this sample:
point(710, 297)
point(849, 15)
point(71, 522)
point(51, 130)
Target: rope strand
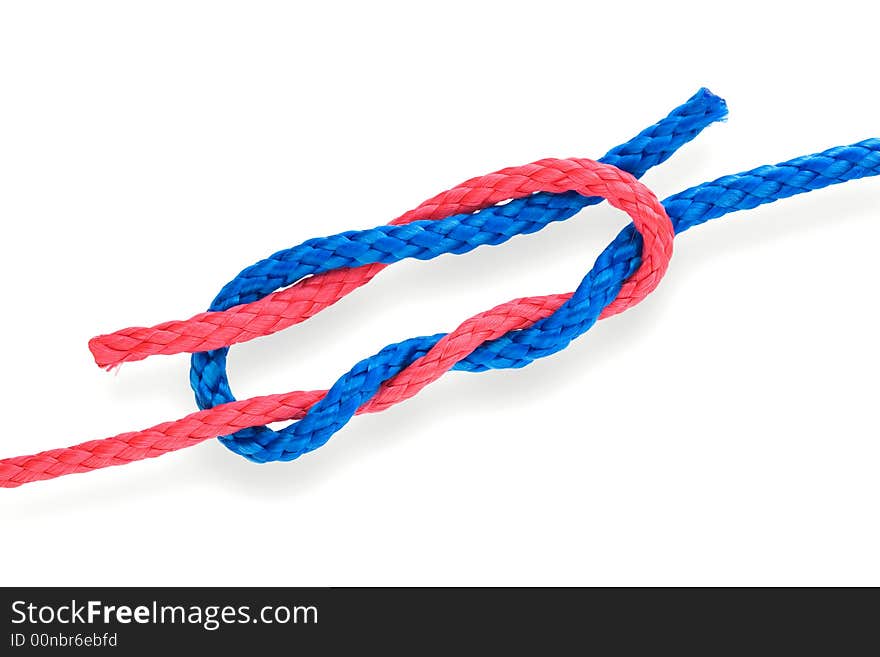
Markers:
point(322, 413)
point(248, 306)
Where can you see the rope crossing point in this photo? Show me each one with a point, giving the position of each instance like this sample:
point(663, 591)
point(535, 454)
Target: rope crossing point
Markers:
point(319, 272)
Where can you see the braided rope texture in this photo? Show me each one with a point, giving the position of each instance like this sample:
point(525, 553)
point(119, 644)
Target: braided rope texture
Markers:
point(612, 285)
point(510, 335)
point(339, 264)
point(372, 385)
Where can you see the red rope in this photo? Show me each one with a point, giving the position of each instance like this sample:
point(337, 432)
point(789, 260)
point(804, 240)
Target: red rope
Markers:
point(584, 176)
point(295, 304)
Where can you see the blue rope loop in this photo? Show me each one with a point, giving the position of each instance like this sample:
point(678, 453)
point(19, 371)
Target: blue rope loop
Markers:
point(494, 225)
point(420, 239)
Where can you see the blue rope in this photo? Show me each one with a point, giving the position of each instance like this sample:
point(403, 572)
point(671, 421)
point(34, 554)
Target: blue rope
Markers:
point(387, 244)
point(462, 233)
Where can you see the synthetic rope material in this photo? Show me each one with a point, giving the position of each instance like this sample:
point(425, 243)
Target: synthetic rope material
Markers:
point(323, 270)
point(323, 413)
point(341, 263)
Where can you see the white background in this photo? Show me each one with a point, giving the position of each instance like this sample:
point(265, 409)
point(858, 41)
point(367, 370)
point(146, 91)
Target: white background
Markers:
point(722, 432)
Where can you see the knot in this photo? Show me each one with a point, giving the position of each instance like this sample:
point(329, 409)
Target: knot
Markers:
point(401, 370)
